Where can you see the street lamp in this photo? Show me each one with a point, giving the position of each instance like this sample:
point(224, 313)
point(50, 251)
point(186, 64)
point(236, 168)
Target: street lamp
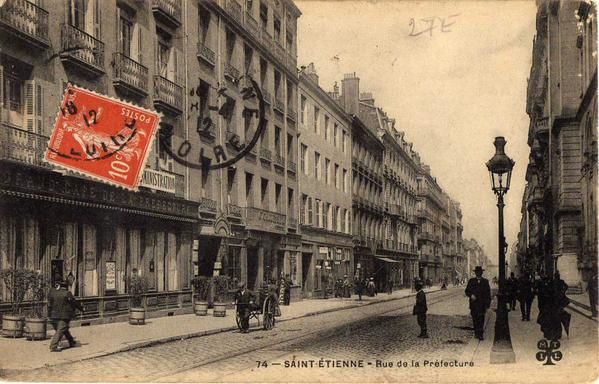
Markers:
point(500, 169)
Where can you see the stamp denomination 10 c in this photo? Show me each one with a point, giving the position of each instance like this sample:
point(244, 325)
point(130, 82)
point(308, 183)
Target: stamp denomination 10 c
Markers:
point(102, 137)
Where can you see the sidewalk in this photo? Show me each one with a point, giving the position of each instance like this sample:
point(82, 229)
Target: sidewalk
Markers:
point(579, 350)
point(105, 339)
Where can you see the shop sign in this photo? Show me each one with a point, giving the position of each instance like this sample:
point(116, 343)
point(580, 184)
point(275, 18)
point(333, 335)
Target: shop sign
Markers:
point(110, 275)
point(158, 180)
point(218, 265)
point(323, 250)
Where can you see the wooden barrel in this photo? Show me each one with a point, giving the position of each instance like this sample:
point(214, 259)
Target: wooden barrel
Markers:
point(220, 310)
point(35, 328)
point(12, 326)
point(200, 308)
point(137, 316)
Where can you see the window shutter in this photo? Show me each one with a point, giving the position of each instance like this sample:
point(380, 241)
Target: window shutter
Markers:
point(97, 20)
point(33, 106)
point(139, 40)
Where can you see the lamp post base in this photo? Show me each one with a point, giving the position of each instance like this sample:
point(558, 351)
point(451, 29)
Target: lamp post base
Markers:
point(502, 352)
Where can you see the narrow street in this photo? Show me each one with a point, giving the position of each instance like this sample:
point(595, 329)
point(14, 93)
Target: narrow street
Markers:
point(371, 332)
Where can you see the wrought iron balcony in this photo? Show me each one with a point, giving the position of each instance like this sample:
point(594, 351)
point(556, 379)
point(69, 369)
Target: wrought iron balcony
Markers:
point(20, 145)
point(291, 166)
point(81, 49)
point(26, 20)
point(252, 25)
point(291, 113)
point(235, 211)
point(265, 154)
point(279, 105)
point(169, 11)
point(129, 75)
point(168, 96)
point(232, 73)
point(206, 54)
point(279, 160)
point(207, 205)
point(234, 9)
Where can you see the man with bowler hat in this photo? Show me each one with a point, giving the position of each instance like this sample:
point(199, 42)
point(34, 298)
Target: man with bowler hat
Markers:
point(244, 299)
point(420, 309)
point(61, 309)
point(479, 294)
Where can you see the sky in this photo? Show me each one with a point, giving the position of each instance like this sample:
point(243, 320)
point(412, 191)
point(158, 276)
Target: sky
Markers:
point(452, 88)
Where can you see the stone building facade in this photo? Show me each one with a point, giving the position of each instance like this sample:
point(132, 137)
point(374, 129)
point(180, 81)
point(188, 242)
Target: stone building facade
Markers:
point(559, 207)
point(325, 161)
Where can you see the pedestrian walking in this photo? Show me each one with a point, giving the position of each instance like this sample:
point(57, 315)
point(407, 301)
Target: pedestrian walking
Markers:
point(389, 286)
point(526, 295)
point(479, 294)
point(511, 286)
point(359, 286)
point(549, 310)
point(244, 298)
point(346, 287)
point(592, 288)
point(371, 287)
point(420, 310)
point(61, 310)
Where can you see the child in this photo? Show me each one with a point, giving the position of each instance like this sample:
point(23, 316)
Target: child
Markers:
point(420, 309)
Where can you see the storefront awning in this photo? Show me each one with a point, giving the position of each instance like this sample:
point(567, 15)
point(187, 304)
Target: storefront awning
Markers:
point(386, 259)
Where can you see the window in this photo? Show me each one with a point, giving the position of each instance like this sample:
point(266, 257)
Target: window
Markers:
point(317, 175)
point(264, 138)
point(303, 109)
point(310, 212)
point(278, 149)
point(290, 147)
point(290, 203)
point(327, 177)
point(230, 45)
point(316, 120)
point(325, 216)
point(203, 25)
point(125, 32)
point(249, 189)
point(345, 180)
point(335, 132)
point(304, 209)
point(277, 24)
point(263, 15)
point(206, 188)
point(336, 175)
point(165, 161)
point(263, 73)
point(318, 205)
point(278, 198)
point(264, 193)
point(334, 219)
point(248, 54)
point(249, 6)
point(289, 42)
point(84, 15)
point(278, 85)
point(231, 192)
point(326, 128)
point(343, 139)
point(304, 159)
point(339, 220)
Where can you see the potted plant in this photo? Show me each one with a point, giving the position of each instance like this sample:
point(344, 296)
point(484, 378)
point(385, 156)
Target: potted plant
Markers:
point(35, 322)
point(201, 286)
point(16, 281)
point(138, 286)
point(221, 290)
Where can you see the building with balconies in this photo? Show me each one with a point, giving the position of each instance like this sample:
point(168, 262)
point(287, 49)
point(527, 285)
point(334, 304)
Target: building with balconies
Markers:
point(560, 206)
point(71, 227)
point(248, 211)
point(431, 210)
point(325, 162)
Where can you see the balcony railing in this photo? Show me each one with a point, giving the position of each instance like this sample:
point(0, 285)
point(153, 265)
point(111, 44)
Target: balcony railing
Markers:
point(291, 114)
point(27, 20)
point(234, 9)
point(130, 75)
point(206, 54)
point(17, 144)
point(292, 222)
point(252, 25)
point(279, 105)
point(235, 211)
point(291, 166)
point(168, 95)
point(231, 72)
point(207, 205)
point(265, 154)
point(267, 96)
point(82, 49)
point(542, 126)
point(168, 11)
point(279, 160)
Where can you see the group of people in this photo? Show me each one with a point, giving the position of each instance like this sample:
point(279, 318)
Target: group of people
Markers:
point(365, 285)
point(343, 287)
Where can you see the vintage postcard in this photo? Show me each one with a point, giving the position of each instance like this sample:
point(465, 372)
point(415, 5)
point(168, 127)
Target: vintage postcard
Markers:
point(298, 191)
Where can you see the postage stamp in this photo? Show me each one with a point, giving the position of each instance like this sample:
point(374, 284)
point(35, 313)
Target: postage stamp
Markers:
point(101, 137)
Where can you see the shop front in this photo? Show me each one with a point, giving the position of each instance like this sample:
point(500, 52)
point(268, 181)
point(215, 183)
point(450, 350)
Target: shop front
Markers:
point(96, 236)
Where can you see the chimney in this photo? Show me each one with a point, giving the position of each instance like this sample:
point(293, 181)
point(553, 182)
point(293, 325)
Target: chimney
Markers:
point(350, 93)
point(335, 93)
point(366, 97)
point(310, 71)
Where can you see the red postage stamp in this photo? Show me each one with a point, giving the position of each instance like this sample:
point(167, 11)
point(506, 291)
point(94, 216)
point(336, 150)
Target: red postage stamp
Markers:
point(102, 137)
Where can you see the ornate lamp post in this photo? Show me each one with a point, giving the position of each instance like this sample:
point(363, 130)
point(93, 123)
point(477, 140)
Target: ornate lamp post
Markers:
point(500, 169)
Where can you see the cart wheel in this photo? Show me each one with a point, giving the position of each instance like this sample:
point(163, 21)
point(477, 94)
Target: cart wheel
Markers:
point(268, 312)
point(238, 319)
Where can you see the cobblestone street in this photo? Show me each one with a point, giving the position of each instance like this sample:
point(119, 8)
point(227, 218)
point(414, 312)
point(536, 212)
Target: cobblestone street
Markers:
point(233, 352)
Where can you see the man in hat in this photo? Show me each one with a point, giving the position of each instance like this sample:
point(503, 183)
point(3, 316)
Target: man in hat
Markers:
point(420, 309)
point(479, 294)
point(244, 299)
point(61, 309)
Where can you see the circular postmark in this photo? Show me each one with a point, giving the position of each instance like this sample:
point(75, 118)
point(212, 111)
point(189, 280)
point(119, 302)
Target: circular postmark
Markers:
point(184, 154)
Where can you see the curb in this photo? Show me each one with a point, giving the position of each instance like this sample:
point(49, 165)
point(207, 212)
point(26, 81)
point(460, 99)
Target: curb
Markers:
point(149, 343)
point(582, 309)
